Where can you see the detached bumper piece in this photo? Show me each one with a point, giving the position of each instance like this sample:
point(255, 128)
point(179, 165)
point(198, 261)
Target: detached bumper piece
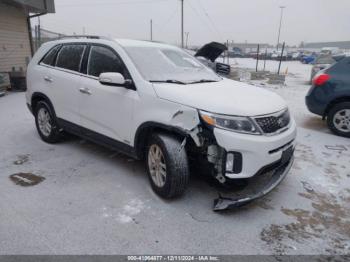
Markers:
point(258, 186)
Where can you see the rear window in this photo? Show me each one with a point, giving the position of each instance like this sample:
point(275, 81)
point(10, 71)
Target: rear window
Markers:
point(324, 59)
point(70, 57)
point(342, 67)
point(49, 58)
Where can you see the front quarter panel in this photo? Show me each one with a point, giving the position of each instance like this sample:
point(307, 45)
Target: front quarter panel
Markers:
point(151, 108)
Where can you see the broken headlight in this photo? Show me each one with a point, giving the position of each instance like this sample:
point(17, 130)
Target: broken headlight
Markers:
point(238, 124)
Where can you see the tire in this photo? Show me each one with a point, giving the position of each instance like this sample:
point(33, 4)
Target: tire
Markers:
point(172, 161)
point(338, 119)
point(48, 131)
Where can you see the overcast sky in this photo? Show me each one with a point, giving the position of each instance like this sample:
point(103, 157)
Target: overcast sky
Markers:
point(205, 20)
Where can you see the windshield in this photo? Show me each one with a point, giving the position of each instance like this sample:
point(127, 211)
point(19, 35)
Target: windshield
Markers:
point(167, 64)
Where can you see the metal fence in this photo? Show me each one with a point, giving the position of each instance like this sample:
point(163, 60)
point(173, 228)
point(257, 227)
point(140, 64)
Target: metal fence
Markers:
point(41, 35)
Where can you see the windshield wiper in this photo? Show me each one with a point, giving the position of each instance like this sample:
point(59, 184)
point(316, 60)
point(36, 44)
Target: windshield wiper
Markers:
point(203, 81)
point(171, 81)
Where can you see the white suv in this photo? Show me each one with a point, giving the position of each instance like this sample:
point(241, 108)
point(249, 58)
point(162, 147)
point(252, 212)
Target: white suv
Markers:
point(156, 102)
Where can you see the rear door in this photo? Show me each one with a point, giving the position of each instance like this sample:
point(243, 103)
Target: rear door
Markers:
point(64, 81)
point(40, 77)
point(107, 110)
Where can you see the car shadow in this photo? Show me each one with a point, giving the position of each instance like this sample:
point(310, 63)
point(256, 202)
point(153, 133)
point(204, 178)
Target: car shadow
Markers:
point(203, 188)
point(315, 123)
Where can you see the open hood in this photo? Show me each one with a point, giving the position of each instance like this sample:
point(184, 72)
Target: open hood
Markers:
point(211, 51)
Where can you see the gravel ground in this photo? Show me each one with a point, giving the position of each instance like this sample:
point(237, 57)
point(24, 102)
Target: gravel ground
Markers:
point(90, 200)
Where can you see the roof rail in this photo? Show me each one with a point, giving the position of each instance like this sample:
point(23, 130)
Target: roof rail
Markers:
point(85, 36)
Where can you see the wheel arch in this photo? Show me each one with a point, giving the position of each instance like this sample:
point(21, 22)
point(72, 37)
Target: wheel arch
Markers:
point(37, 97)
point(334, 102)
point(145, 130)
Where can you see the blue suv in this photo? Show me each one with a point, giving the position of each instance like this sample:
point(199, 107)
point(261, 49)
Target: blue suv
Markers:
point(329, 96)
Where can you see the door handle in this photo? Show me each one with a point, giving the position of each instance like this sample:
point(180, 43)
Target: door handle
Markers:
point(85, 90)
point(48, 79)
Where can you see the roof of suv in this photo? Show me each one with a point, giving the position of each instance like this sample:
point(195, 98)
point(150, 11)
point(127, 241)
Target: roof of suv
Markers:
point(122, 42)
point(140, 43)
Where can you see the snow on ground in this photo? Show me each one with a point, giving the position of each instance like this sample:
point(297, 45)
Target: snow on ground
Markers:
point(94, 201)
point(322, 167)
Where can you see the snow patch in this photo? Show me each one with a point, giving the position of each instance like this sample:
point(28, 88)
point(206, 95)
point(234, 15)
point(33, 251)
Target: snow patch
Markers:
point(131, 209)
point(126, 213)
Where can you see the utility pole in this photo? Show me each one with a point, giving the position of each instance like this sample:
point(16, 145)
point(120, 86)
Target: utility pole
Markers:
point(36, 38)
point(279, 29)
point(151, 30)
point(39, 32)
point(257, 58)
point(228, 52)
point(182, 23)
point(281, 57)
point(187, 34)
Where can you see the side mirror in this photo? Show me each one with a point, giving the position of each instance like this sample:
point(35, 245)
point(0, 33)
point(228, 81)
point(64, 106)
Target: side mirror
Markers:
point(114, 79)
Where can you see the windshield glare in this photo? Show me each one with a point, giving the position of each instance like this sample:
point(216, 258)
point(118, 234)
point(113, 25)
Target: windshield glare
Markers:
point(164, 64)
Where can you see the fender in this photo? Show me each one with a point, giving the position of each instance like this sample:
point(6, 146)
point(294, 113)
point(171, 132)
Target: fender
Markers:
point(333, 102)
point(36, 96)
point(146, 128)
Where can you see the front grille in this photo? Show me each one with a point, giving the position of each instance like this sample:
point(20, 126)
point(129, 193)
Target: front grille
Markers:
point(273, 123)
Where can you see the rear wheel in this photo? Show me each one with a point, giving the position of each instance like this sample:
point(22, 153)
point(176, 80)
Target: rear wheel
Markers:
point(167, 166)
point(339, 119)
point(46, 123)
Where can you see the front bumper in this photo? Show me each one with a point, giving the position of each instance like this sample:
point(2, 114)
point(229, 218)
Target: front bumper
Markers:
point(257, 151)
point(258, 186)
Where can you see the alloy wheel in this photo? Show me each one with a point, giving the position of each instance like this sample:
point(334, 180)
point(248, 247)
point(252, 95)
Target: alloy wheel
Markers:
point(44, 121)
point(156, 165)
point(341, 120)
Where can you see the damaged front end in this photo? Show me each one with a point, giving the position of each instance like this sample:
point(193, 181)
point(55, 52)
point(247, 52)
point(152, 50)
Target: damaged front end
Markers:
point(238, 192)
point(212, 159)
point(256, 187)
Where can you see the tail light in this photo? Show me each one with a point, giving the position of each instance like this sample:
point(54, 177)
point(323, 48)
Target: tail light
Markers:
point(320, 79)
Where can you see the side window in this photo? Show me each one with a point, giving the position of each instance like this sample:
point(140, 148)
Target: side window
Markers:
point(70, 57)
point(50, 56)
point(103, 60)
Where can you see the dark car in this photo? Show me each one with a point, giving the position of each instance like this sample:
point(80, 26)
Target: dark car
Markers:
point(329, 96)
point(236, 52)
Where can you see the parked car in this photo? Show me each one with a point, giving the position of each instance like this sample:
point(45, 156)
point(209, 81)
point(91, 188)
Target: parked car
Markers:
point(289, 56)
point(236, 52)
point(276, 55)
point(321, 62)
point(329, 96)
point(331, 51)
point(308, 59)
point(296, 55)
point(208, 54)
point(156, 102)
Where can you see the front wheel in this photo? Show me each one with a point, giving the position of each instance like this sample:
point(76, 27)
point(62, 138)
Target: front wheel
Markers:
point(167, 166)
point(338, 119)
